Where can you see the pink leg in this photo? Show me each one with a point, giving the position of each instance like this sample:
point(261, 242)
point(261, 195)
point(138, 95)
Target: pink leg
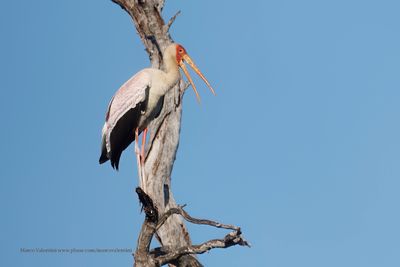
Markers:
point(136, 140)
point(137, 152)
point(142, 156)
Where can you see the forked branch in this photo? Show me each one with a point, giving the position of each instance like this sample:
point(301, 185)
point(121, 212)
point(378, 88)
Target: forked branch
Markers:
point(161, 256)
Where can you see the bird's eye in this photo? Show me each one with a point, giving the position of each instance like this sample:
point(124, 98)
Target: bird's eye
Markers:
point(181, 51)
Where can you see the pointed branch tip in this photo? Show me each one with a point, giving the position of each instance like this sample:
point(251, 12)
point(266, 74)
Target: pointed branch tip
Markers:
point(232, 239)
point(171, 20)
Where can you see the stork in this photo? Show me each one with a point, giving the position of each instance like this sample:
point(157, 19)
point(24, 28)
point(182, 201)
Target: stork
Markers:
point(139, 101)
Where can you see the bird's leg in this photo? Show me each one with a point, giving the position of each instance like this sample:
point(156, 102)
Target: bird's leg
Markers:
point(142, 155)
point(137, 152)
point(142, 158)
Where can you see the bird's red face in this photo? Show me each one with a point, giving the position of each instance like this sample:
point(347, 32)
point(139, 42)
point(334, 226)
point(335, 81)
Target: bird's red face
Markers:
point(182, 56)
point(180, 51)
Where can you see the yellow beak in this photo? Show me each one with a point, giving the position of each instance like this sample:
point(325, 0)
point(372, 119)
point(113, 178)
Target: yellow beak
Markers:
point(196, 69)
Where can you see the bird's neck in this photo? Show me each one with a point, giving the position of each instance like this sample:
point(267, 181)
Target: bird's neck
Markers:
point(171, 72)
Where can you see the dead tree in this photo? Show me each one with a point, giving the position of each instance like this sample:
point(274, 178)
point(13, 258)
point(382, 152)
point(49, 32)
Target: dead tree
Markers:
point(163, 215)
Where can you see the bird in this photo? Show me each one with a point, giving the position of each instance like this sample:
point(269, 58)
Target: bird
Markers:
point(139, 101)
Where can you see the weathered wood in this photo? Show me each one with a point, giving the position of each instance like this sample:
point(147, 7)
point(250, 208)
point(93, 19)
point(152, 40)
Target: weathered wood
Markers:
point(164, 255)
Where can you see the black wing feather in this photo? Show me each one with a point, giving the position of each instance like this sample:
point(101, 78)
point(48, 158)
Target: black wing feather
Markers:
point(123, 133)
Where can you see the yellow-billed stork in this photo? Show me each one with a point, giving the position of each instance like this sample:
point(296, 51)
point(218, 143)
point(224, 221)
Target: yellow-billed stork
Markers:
point(139, 101)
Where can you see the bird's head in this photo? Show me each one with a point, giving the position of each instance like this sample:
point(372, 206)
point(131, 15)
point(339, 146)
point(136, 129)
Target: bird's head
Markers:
point(181, 56)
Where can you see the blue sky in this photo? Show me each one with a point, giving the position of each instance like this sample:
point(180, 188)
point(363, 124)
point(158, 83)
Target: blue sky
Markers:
point(300, 147)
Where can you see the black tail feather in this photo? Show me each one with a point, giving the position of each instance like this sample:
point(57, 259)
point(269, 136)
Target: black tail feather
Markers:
point(104, 155)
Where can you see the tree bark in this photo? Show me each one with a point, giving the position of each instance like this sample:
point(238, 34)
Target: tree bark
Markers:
point(165, 130)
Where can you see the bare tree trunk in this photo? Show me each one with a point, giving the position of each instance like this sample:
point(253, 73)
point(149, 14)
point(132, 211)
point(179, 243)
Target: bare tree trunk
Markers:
point(165, 130)
point(161, 152)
